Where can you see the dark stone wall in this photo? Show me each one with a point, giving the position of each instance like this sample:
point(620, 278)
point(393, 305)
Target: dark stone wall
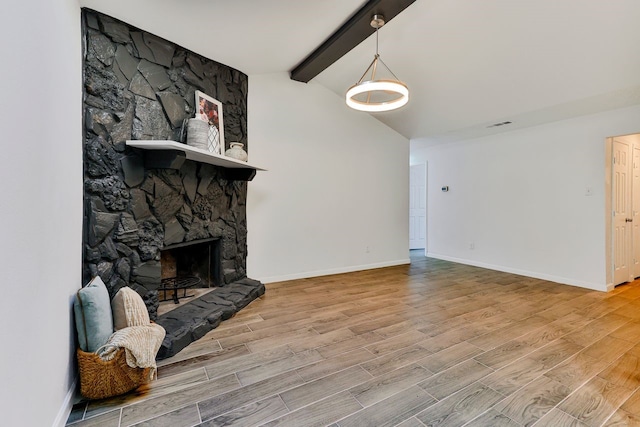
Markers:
point(139, 86)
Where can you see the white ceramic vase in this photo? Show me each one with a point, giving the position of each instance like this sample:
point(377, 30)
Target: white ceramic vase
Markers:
point(237, 152)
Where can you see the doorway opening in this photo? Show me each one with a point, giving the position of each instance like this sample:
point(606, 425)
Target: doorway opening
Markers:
point(418, 207)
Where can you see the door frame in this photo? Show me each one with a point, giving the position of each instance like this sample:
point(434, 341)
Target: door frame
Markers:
point(426, 198)
point(608, 202)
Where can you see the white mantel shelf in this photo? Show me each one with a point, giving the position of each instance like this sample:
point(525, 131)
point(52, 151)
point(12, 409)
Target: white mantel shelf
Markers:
point(192, 153)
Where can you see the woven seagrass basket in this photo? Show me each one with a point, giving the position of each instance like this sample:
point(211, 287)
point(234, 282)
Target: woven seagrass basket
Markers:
point(100, 379)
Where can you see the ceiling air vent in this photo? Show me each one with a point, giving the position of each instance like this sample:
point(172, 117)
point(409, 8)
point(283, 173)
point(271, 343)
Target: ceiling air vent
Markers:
point(495, 125)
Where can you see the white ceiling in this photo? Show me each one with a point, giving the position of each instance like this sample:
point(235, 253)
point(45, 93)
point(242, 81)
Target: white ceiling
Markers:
point(468, 63)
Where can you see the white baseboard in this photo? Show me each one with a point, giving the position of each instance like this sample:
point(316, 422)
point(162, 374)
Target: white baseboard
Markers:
point(536, 275)
point(67, 406)
point(340, 270)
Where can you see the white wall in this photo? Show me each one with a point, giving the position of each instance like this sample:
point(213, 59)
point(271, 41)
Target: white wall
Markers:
point(41, 217)
point(520, 198)
point(338, 182)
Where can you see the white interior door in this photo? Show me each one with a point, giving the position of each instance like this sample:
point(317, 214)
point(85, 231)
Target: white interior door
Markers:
point(635, 215)
point(418, 207)
point(622, 212)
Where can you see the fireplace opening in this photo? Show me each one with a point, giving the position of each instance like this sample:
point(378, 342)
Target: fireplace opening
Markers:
point(187, 266)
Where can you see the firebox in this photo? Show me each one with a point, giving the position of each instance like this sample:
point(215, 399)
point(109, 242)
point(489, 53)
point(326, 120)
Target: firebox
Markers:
point(194, 264)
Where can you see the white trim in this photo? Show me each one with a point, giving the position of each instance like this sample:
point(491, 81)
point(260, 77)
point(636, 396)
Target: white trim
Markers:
point(317, 273)
point(535, 275)
point(67, 406)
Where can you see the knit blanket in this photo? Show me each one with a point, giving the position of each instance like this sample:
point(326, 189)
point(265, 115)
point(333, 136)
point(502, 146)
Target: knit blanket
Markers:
point(141, 344)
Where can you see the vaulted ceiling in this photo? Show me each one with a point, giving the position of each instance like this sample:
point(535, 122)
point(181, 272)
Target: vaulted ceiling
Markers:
point(468, 63)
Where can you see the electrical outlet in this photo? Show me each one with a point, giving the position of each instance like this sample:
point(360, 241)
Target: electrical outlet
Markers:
point(366, 249)
point(472, 245)
point(588, 191)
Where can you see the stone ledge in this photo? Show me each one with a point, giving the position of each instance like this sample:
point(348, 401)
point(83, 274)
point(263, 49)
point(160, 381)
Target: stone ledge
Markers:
point(194, 319)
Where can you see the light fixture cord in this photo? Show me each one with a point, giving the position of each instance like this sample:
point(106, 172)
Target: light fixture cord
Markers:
point(375, 62)
point(375, 65)
point(377, 28)
point(377, 58)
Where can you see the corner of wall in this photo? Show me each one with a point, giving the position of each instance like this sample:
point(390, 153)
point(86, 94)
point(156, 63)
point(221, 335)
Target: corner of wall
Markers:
point(67, 405)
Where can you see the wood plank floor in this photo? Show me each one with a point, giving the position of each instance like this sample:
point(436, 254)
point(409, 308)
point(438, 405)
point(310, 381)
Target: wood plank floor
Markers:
point(429, 344)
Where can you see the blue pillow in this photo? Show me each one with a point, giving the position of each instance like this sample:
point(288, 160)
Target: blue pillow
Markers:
point(94, 321)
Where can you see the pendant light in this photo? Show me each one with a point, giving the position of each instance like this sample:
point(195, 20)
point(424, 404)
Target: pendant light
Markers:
point(373, 95)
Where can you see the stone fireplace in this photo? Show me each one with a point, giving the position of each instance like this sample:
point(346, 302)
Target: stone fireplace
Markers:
point(138, 86)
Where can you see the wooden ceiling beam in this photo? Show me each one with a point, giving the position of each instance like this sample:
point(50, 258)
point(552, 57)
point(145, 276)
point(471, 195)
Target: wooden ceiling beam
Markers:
point(352, 33)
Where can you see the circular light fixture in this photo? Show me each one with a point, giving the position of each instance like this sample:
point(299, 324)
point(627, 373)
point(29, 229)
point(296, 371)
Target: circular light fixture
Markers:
point(390, 94)
point(373, 95)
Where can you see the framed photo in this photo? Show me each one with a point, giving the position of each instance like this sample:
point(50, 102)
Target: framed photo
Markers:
point(210, 110)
